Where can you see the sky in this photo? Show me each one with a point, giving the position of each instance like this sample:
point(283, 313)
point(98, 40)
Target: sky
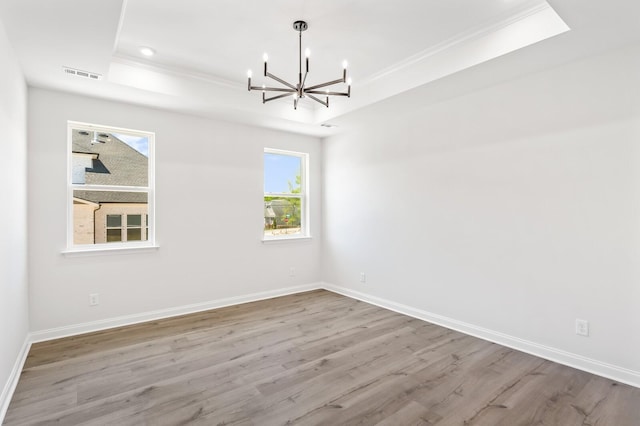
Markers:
point(139, 143)
point(279, 170)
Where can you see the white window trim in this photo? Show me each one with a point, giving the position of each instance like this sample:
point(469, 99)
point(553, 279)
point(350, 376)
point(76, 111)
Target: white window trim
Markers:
point(305, 222)
point(111, 248)
point(285, 239)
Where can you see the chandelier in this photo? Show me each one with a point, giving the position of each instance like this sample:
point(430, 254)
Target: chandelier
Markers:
point(300, 90)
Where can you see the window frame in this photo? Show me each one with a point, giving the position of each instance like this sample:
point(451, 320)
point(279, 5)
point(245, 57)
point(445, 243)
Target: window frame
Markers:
point(305, 228)
point(150, 242)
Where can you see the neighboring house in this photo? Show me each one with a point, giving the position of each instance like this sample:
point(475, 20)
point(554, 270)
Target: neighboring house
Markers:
point(269, 216)
point(108, 216)
point(281, 214)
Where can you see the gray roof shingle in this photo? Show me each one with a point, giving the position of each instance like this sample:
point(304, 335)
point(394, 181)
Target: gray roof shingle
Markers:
point(103, 197)
point(116, 164)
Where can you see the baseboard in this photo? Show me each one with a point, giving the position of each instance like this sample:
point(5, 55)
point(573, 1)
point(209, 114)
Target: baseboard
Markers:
point(12, 381)
point(613, 372)
point(560, 356)
point(89, 327)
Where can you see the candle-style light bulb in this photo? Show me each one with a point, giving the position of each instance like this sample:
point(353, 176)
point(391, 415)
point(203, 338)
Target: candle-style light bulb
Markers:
point(249, 74)
point(265, 57)
point(349, 81)
point(345, 64)
point(307, 52)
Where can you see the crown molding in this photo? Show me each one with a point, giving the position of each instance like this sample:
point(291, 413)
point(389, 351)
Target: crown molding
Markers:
point(528, 9)
point(122, 59)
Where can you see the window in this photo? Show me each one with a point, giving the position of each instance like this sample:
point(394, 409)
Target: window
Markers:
point(285, 194)
point(126, 227)
point(111, 190)
point(134, 227)
point(114, 227)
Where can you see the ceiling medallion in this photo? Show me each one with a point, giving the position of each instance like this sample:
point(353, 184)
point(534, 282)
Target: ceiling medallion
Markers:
point(300, 90)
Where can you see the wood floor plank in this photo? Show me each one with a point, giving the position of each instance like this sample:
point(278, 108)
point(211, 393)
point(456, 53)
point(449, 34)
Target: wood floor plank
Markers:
point(306, 359)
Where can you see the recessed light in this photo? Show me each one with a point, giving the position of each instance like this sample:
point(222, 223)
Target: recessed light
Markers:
point(147, 51)
point(328, 125)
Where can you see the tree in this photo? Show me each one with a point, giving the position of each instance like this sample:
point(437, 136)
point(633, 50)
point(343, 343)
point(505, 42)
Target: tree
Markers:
point(296, 211)
point(287, 210)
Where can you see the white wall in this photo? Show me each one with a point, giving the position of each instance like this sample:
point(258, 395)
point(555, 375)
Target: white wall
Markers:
point(14, 296)
point(208, 216)
point(514, 208)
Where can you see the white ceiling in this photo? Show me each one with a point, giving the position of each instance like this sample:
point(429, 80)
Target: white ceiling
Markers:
point(205, 47)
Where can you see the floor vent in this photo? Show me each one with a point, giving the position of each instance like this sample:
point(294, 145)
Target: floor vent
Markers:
point(84, 74)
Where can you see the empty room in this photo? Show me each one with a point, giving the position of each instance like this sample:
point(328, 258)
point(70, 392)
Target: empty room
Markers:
point(363, 212)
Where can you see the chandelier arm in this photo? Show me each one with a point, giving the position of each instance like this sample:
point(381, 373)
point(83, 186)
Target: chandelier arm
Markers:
point(272, 89)
point(299, 90)
point(328, 83)
point(273, 98)
point(318, 100)
point(281, 81)
point(320, 92)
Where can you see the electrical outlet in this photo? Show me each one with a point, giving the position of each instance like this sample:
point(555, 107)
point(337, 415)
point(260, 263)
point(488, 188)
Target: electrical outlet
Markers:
point(363, 277)
point(582, 327)
point(292, 272)
point(94, 299)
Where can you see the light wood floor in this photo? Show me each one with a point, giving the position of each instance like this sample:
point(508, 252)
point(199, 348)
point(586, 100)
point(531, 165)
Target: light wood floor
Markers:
point(307, 359)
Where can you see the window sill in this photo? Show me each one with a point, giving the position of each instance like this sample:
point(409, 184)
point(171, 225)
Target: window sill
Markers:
point(285, 239)
point(102, 251)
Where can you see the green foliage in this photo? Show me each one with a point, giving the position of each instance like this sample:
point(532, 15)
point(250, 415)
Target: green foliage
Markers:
point(287, 211)
point(298, 188)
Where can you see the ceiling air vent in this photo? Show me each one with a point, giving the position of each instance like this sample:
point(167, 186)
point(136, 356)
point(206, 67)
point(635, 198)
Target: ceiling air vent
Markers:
point(84, 74)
